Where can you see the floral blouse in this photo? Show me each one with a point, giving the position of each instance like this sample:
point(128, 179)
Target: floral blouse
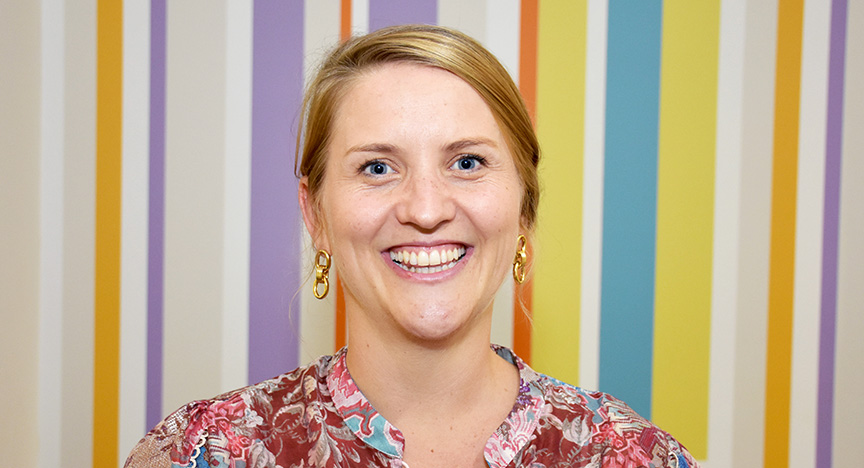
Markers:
point(316, 416)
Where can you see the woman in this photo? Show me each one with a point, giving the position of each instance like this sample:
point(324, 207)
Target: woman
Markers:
point(419, 183)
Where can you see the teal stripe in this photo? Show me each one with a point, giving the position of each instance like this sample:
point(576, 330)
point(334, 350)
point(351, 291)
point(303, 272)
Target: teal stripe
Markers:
point(630, 201)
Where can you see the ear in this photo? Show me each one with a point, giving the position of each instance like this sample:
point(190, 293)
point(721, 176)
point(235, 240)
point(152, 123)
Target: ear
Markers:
point(311, 215)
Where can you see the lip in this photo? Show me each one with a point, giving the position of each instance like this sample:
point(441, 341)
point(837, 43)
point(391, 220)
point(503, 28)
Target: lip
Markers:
point(428, 247)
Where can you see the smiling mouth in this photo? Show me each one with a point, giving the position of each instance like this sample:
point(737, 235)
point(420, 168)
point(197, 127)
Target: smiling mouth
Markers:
point(421, 261)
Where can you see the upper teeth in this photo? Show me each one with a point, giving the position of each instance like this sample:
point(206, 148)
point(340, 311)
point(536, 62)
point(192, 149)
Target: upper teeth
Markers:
point(423, 258)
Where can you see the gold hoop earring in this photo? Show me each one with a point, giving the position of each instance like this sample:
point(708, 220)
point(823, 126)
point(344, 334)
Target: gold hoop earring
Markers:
point(322, 274)
point(519, 263)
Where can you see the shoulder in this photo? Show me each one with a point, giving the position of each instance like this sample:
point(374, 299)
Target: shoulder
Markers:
point(615, 430)
point(229, 423)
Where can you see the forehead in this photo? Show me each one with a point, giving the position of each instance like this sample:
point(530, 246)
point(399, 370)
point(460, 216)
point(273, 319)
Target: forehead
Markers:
point(401, 99)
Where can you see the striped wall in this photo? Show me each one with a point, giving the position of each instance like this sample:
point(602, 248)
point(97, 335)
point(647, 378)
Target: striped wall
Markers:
point(698, 251)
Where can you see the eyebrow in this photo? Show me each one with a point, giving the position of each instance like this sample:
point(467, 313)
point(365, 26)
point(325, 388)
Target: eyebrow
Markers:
point(468, 142)
point(385, 148)
point(372, 148)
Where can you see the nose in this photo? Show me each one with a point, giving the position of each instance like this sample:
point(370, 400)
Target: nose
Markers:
point(426, 202)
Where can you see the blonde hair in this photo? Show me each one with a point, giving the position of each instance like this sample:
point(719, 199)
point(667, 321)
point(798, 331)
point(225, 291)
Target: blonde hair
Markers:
point(434, 46)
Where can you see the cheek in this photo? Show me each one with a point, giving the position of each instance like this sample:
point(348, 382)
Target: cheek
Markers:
point(497, 211)
point(354, 216)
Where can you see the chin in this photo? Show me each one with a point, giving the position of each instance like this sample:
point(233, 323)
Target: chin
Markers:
point(437, 325)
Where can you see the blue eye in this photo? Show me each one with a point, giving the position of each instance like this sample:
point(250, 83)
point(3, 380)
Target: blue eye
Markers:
point(468, 162)
point(376, 168)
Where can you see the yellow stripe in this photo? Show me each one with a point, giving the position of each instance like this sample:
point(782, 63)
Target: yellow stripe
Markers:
point(108, 175)
point(685, 214)
point(560, 124)
point(778, 375)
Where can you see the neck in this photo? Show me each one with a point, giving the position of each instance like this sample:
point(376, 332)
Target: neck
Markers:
point(408, 379)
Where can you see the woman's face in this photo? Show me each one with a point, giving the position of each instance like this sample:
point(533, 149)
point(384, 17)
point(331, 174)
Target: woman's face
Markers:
point(420, 204)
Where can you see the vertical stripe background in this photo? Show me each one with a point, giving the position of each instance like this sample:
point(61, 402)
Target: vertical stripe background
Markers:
point(783, 197)
point(20, 197)
point(630, 201)
point(698, 251)
point(828, 299)
point(78, 233)
point(808, 237)
point(277, 73)
point(134, 220)
point(51, 226)
point(560, 124)
point(685, 202)
point(156, 212)
point(235, 253)
point(106, 353)
point(849, 368)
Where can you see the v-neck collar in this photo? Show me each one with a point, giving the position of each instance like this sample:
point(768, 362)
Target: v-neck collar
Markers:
point(370, 426)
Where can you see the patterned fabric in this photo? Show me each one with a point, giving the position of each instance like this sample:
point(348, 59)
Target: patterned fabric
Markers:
point(316, 416)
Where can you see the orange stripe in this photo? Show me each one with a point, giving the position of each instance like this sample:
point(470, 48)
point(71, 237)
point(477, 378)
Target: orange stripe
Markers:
point(340, 330)
point(345, 20)
point(106, 371)
point(522, 320)
point(782, 260)
point(528, 54)
point(522, 294)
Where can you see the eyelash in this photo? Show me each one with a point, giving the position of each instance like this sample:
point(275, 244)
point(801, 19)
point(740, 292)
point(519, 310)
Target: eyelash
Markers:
point(367, 165)
point(365, 168)
point(472, 157)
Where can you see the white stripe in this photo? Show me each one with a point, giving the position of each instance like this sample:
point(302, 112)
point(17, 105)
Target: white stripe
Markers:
point(730, 90)
point(849, 368)
point(133, 226)
point(808, 234)
point(51, 233)
point(238, 175)
point(317, 317)
point(321, 29)
point(592, 196)
point(468, 17)
point(359, 16)
point(502, 33)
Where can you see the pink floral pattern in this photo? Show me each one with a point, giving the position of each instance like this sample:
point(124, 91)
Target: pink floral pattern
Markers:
point(316, 416)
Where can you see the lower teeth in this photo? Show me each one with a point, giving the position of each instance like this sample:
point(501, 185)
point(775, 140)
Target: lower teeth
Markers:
point(422, 270)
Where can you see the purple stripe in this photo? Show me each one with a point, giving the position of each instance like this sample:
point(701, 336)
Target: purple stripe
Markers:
point(833, 156)
point(274, 276)
point(391, 12)
point(156, 228)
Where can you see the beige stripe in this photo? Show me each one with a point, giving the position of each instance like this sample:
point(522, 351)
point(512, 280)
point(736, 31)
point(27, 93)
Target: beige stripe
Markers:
point(78, 233)
point(317, 317)
point(754, 232)
point(194, 183)
point(19, 228)
point(849, 370)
